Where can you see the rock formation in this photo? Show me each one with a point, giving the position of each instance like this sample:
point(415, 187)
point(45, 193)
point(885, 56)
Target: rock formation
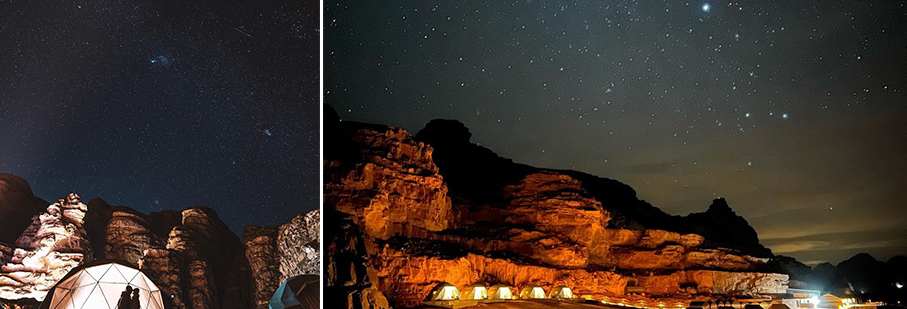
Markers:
point(278, 253)
point(17, 206)
point(402, 224)
point(191, 255)
point(53, 244)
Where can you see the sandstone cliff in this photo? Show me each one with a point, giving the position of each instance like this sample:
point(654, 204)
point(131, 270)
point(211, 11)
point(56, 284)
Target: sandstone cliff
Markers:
point(191, 254)
point(277, 253)
point(50, 246)
point(401, 225)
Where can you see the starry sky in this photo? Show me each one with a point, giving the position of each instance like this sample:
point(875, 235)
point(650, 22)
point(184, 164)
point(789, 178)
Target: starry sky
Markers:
point(791, 110)
point(164, 104)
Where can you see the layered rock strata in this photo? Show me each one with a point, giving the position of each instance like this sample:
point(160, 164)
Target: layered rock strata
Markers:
point(402, 234)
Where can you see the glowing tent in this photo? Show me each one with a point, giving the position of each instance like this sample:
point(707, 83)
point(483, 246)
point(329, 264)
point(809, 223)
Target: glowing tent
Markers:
point(444, 291)
point(532, 292)
point(500, 291)
point(300, 292)
point(100, 284)
point(473, 292)
point(830, 301)
point(561, 292)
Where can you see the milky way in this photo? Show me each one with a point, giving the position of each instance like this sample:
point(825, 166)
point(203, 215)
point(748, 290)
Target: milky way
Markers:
point(164, 104)
point(792, 110)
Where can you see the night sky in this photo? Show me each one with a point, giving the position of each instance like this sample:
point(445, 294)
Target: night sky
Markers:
point(164, 104)
point(792, 110)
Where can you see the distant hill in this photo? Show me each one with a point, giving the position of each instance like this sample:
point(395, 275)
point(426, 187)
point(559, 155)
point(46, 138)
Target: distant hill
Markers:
point(869, 278)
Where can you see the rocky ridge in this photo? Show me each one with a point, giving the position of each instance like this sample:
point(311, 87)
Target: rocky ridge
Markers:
point(191, 254)
point(407, 226)
point(53, 244)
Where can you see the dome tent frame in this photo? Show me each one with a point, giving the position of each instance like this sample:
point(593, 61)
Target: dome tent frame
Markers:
point(497, 292)
point(474, 292)
point(444, 292)
point(533, 292)
point(99, 276)
point(561, 292)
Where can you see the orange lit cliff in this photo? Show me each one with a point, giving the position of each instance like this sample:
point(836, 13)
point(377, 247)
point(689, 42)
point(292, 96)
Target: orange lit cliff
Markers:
point(405, 217)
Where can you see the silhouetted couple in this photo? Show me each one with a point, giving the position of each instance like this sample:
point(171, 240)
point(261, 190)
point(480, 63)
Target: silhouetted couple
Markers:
point(129, 299)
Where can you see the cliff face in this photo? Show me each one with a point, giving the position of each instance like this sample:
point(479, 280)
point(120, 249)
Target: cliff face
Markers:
point(477, 173)
point(401, 232)
point(278, 253)
point(50, 246)
point(191, 254)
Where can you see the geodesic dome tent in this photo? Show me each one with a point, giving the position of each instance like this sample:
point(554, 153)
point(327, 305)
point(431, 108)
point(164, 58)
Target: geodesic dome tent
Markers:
point(500, 291)
point(299, 292)
point(99, 284)
point(532, 292)
point(444, 291)
point(561, 292)
point(475, 291)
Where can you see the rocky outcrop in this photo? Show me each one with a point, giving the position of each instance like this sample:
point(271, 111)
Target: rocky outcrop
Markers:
point(478, 174)
point(398, 232)
point(281, 252)
point(53, 244)
point(191, 254)
point(394, 184)
point(196, 259)
point(17, 206)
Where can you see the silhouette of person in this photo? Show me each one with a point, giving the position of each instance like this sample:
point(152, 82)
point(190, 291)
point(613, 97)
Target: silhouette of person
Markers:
point(124, 299)
point(134, 301)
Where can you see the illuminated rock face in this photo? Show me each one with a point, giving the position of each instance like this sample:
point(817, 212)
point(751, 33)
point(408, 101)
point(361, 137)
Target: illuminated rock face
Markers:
point(395, 233)
point(53, 244)
point(191, 255)
point(278, 253)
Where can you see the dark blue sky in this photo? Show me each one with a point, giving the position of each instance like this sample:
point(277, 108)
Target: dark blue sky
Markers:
point(164, 104)
point(792, 110)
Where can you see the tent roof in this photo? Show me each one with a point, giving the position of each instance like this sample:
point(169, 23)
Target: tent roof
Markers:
point(297, 292)
point(87, 265)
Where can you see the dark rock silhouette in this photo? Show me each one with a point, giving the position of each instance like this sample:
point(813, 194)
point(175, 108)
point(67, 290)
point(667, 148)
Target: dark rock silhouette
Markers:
point(859, 276)
point(476, 173)
point(17, 205)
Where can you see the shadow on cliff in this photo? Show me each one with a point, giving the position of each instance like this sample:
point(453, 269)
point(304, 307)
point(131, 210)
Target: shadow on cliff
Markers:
point(17, 205)
point(478, 174)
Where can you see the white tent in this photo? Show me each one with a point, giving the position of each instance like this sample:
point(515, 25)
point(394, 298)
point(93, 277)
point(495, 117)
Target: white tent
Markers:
point(475, 291)
point(561, 292)
point(501, 291)
point(532, 292)
point(99, 284)
point(444, 291)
